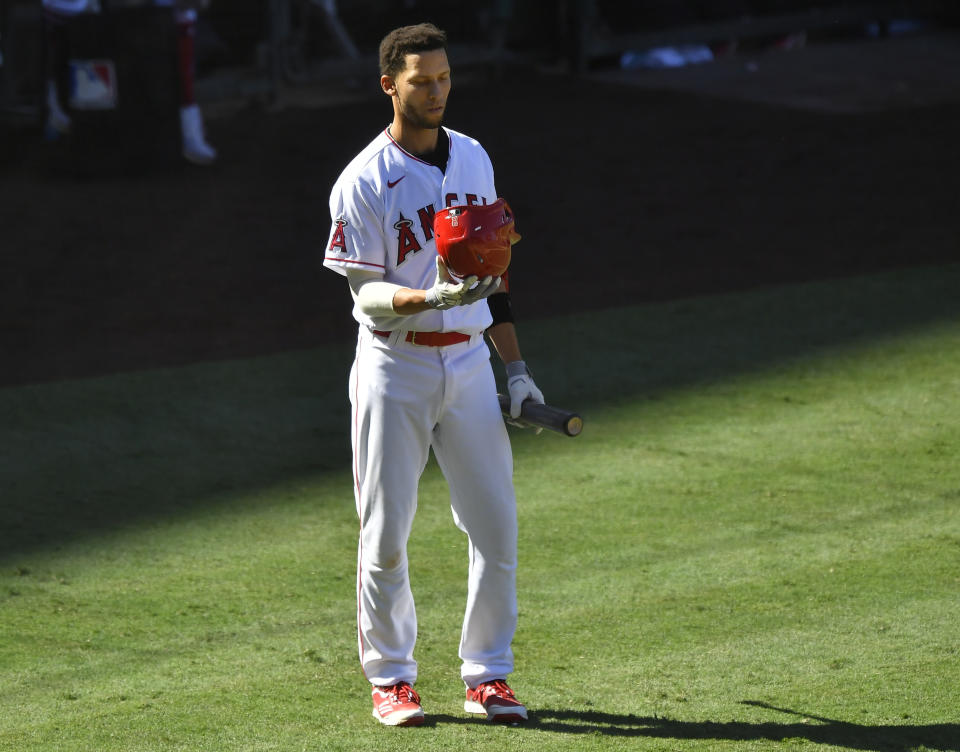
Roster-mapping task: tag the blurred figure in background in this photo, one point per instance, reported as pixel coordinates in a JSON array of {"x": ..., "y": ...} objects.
[{"x": 57, "y": 13}]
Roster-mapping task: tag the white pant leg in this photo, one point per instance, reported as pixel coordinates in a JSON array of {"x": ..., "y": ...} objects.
[
  {"x": 395, "y": 395},
  {"x": 473, "y": 450},
  {"x": 71, "y": 7}
]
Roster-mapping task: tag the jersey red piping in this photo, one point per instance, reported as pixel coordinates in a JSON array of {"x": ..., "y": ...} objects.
[
  {"x": 356, "y": 485},
  {"x": 386, "y": 132},
  {"x": 351, "y": 261}
]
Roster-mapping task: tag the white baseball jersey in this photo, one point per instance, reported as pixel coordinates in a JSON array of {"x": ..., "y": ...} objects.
[
  {"x": 382, "y": 208},
  {"x": 409, "y": 398}
]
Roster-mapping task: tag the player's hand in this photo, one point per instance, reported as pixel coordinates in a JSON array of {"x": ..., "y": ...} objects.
[
  {"x": 483, "y": 289},
  {"x": 446, "y": 293},
  {"x": 521, "y": 387}
]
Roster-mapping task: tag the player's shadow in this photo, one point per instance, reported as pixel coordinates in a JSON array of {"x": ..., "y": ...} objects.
[{"x": 815, "y": 729}]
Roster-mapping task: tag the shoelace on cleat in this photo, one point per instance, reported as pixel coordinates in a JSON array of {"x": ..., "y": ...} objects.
[
  {"x": 403, "y": 693},
  {"x": 498, "y": 688}
]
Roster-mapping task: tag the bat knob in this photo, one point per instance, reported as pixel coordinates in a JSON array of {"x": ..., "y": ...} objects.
[{"x": 573, "y": 426}]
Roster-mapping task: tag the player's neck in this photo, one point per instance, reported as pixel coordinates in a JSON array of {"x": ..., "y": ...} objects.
[{"x": 412, "y": 139}]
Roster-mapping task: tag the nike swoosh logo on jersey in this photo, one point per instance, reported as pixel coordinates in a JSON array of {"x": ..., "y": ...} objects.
[{"x": 391, "y": 183}]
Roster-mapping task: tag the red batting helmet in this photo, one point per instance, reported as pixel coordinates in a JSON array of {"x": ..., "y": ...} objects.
[{"x": 475, "y": 240}]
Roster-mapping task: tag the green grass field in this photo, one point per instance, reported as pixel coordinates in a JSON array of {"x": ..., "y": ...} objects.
[{"x": 755, "y": 544}]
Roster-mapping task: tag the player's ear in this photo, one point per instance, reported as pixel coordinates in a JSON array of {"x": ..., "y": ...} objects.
[{"x": 388, "y": 85}]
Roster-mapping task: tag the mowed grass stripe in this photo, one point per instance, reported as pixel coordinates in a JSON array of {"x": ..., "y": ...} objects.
[{"x": 748, "y": 536}]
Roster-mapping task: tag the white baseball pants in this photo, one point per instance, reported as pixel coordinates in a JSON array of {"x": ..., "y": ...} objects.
[{"x": 406, "y": 399}]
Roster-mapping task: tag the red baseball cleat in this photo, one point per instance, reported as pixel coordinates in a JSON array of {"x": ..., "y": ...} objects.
[
  {"x": 398, "y": 705},
  {"x": 496, "y": 701}
]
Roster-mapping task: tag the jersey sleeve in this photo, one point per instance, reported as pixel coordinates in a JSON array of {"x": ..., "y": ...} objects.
[{"x": 356, "y": 239}]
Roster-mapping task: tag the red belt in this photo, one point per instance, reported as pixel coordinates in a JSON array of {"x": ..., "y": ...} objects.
[{"x": 431, "y": 339}]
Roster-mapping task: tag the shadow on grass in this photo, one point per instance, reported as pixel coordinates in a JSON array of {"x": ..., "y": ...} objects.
[
  {"x": 78, "y": 458},
  {"x": 818, "y": 730}
]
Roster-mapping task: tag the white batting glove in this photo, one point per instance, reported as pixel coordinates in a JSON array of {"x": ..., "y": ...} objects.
[
  {"x": 521, "y": 387},
  {"x": 446, "y": 293},
  {"x": 484, "y": 289}
]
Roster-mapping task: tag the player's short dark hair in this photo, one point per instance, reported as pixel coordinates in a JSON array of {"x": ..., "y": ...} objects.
[{"x": 408, "y": 40}]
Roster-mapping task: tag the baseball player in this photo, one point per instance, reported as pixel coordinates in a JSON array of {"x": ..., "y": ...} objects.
[
  {"x": 422, "y": 379},
  {"x": 195, "y": 148}
]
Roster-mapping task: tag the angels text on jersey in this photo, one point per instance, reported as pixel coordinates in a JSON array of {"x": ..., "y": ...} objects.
[{"x": 412, "y": 233}]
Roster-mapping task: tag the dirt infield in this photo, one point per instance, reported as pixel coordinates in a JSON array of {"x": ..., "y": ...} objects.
[{"x": 624, "y": 194}]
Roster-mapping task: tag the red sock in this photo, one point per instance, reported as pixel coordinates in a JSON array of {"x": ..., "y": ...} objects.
[{"x": 186, "y": 61}]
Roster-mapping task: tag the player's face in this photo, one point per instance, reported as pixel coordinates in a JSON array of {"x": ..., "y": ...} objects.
[{"x": 422, "y": 88}]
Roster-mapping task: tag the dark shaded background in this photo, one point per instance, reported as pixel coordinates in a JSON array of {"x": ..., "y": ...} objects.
[{"x": 627, "y": 188}]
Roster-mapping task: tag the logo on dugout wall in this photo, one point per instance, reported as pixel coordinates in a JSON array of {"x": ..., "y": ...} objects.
[{"x": 93, "y": 85}]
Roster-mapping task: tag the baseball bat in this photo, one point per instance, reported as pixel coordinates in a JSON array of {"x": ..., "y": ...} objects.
[{"x": 537, "y": 415}]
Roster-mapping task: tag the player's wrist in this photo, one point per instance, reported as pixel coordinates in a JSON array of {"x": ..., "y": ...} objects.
[
  {"x": 433, "y": 299},
  {"x": 516, "y": 368},
  {"x": 408, "y": 301}
]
